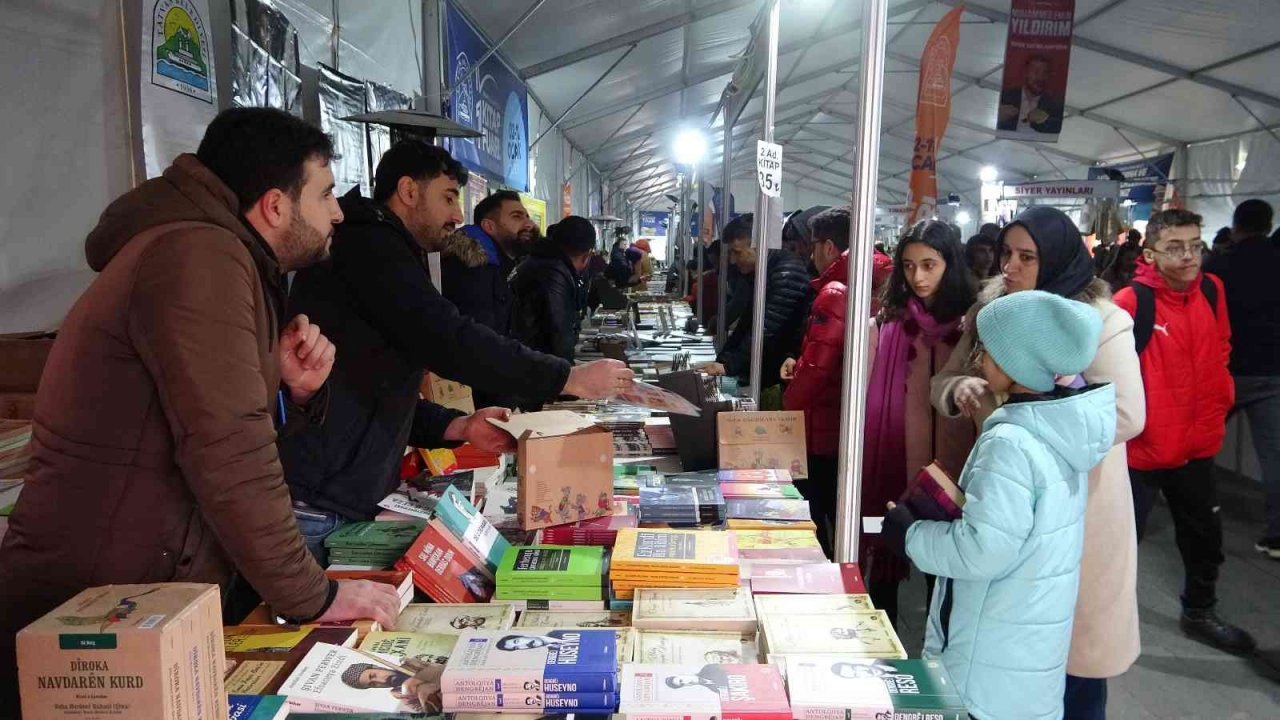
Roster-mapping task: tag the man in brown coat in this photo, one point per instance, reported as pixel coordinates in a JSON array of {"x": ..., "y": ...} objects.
[{"x": 155, "y": 425}]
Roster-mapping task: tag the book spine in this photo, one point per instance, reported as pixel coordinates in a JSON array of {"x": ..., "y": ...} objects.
[
  {"x": 604, "y": 702},
  {"x": 769, "y": 715},
  {"x": 593, "y": 683},
  {"x": 658, "y": 715},
  {"x": 482, "y": 681}
]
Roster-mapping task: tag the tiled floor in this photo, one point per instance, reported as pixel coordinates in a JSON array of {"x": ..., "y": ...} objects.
[{"x": 1177, "y": 677}]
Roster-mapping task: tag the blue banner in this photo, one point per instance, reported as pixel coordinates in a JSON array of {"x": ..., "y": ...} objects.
[
  {"x": 492, "y": 100},
  {"x": 653, "y": 223}
]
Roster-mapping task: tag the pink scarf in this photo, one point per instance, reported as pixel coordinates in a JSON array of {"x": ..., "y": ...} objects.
[{"x": 884, "y": 458}]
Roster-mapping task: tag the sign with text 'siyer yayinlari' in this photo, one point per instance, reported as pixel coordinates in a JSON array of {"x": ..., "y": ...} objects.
[{"x": 491, "y": 100}]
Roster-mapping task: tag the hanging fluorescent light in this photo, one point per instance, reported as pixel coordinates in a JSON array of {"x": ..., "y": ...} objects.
[
  {"x": 988, "y": 174},
  {"x": 963, "y": 218}
]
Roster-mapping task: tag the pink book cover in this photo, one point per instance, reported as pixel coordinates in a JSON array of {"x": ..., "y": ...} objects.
[
  {"x": 754, "y": 692},
  {"x": 815, "y": 579}
]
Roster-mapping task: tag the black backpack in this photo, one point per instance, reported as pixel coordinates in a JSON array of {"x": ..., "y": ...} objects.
[{"x": 1144, "y": 319}]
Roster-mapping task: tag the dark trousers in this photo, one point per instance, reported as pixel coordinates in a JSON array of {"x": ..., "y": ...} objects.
[
  {"x": 1192, "y": 495},
  {"x": 1085, "y": 699},
  {"x": 884, "y": 596},
  {"x": 820, "y": 490}
]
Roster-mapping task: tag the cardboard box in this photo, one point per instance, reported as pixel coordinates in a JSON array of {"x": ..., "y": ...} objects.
[
  {"x": 762, "y": 441},
  {"x": 564, "y": 468},
  {"x": 448, "y": 393},
  {"x": 126, "y": 651}
]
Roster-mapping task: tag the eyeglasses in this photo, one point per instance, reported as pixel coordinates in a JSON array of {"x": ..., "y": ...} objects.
[{"x": 1178, "y": 251}]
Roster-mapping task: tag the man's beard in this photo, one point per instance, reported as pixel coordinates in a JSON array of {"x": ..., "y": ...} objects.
[{"x": 302, "y": 245}]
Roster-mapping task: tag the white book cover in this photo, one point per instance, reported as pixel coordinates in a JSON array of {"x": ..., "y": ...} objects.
[
  {"x": 678, "y": 648},
  {"x": 338, "y": 679},
  {"x": 648, "y": 693},
  {"x": 727, "y": 609},
  {"x": 454, "y": 618},
  {"x": 858, "y": 633}
]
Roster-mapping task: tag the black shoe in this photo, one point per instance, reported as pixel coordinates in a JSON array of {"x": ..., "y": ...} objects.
[
  {"x": 1208, "y": 628},
  {"x": 1269, "y": 546}
]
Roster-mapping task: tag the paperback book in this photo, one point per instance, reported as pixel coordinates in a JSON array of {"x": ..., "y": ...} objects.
[
  {"x": 535, "y": 592},
  {"x": 840, "y": 688},
  {"x": 812, "y": 604},
  {"x": 703, "y": 692},
  {"x": 341, "y": 680},
  {"x": 444, "y": 569},
  {"x": 597, "y": 619},
  {"x": 763, "y": 490},
  {"x": 750, "y": 509},
  {"x": 398, "y": 646},
  {"x": 282, "y": 638},
  {"x": 565, "y": 661},
  {"x": 474, "y": 530},
  {"x": 933, "y": 495},
  {"x": 602, "y": 531},
  {"x": 817, "y": 579},
  {"x": 679, "y": 551},
  {"x": 528, "y": 702},
  {"x": 728, "y": 609},
  {"x": 754, "y": 476},
  {"x": 257, "y": 707},
  {"x": 859, "y": 633},
  {"x": 558, "y": 605},
  {"x": 682, "y": 504},
  {"x": 755, "y": 524},
  {"x": 673, "y": 647},
  {"x": 401, "y": 580},
  {"x": 454, "y": 618},
  {"x": 552, "y": 566}
]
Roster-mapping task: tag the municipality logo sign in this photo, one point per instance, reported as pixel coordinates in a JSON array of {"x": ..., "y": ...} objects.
[
  {"x": 180, "y": 50},
  {"x": 465, "y": 91}
]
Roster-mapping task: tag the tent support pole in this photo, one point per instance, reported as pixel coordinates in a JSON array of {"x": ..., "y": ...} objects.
[
  {"x": 722, "y": 219},
  {"x": 858, "y": 310},
  {"x": 766, "y": 217}
]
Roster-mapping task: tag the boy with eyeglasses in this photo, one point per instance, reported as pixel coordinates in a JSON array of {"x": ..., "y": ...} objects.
[{"x": 1183, "y": 338}]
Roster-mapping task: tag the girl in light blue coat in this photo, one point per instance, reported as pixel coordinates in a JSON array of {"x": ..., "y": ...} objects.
[{"x": 1010, "y": 566}]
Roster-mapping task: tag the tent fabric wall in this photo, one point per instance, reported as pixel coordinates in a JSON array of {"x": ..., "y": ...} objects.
[
  {"x": 67, "y": 151},
  {"x": 1224, "y": 174}
]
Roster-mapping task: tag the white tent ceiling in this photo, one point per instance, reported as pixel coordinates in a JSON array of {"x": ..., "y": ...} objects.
[{"x": 1146, "y": 76}]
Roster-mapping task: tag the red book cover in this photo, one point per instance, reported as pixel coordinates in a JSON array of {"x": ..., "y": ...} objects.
[
  {"x": 933, "y": 495},
  {"x": 815, "y": 579},
  {"x": 444, "y": 569},
  {"x": 754, "y": 692}
]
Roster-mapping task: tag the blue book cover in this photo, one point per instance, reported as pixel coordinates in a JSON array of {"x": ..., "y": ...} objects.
[
  {"x": 470, "y": 527},
  {"x": 533, "y": 660},
  {"x": 256, "y": 707}
]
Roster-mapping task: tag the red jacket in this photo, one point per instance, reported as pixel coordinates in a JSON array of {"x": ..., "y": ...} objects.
[{"x": 1184, "y": 373}]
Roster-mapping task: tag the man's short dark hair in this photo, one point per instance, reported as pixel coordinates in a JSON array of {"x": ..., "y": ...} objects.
[
  {"x": 832, "y": 224},
  {"x": 1253, "y": 217},
  {"x": 253, "y": 150},
  {"x": 1168, "y": 219},
  {"x": 738, "y": 228},
  {"x": 418, "y": 160},
  {"x": 488, "y": 208},
  {"x": 1038, "y": 59},
  {"x": 991, "y": 230},
  {"x": 575, "y": 235}
]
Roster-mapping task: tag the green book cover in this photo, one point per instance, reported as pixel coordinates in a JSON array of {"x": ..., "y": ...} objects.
[
  {"x": 552, "y": 565},
  {"x": 471, "y": 528},
  {"x": 398, "y": 535},
  {"x": 821, "y": 685},
  {"x": 549, "y": 593}
]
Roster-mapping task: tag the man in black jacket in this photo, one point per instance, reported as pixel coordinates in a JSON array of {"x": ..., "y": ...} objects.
[
  {"x": 545, "y": 285},
  {"x": 476, "y": 263},
  {"x": 378, "y": 305},
  {"x": 1248, "y": 273},
  {"x": 788, "y": 296}
]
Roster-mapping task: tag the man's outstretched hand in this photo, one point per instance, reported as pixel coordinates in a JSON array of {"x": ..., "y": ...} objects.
[
  {"x": 482, "y": 434},
  {"x": 599, "y": 380}
]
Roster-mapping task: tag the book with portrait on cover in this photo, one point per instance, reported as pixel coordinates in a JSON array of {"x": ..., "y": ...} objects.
[
  {"x": 858, "y": 633},
  {"x": 683, "y": 647},
  {"x": 533, "y": 660},
  {"x": 728, "y": 609},
  {"x": 453, "y": 618},
  {"x": 703, "y": 692},
  {"x": 825, "y": 687}
]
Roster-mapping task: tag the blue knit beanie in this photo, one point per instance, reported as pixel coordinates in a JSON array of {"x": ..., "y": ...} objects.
[{"x": 1035, "y": 336}]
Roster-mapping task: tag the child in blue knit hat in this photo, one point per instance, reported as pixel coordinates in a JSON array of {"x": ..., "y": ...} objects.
[{"x": 1010, "y": 566}]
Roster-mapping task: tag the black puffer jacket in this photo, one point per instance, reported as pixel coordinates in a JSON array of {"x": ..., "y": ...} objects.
[
  {"x": 546, "y": 289},
  {"x": 788, "y": 296},
  {"x": 374, "y": 299}
]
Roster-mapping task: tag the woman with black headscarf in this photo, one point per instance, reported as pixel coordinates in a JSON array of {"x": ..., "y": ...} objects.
[{"x": 1043, "y": 250}]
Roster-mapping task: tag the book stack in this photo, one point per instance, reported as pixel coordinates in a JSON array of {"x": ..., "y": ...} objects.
[
  {"x": 836, "y": 688},
  {"x": 552, "y": 577},
  {"x": 602, "y": 531},
  {"x": 721, "y": 609},
  {"x": 471, "y": 528},
  {"x": 777, "y": 547},
  {"x": 573, "y": 619},
  {"x": 680, "y": 647},
  {"x": 533, "y": 671},
  {"x": 853, "y": 633},
  {"x": 454, "y": 618},
  {"x": 445, "y": 568},
  {"x": 401, "y": 646},
  {"x": 681, "y": 692},
  {"x": 375, "y": 544},
  {"x": 768, "y": 509},
  {"x": 933, "y": 495},
  {"x": 669, "y": 558},
  {"x": 682, "y": 505}
]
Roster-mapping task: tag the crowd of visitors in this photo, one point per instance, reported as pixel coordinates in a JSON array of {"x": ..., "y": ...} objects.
[{"x": 251, "y": 416}]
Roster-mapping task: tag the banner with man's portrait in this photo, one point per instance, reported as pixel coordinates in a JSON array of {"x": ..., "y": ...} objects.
[{"x": 1037, "y": 58}]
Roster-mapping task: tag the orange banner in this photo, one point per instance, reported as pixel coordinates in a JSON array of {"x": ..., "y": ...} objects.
[{"x": 933, "y": 112}]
